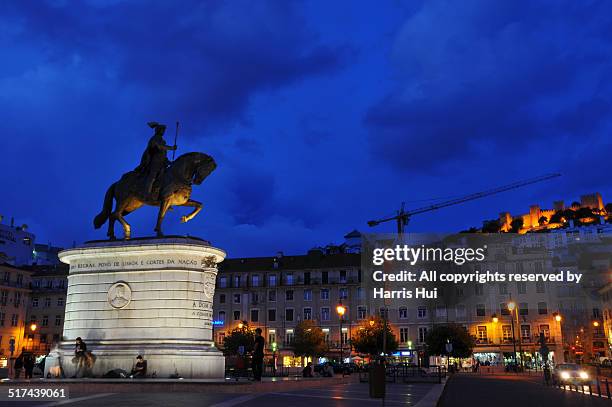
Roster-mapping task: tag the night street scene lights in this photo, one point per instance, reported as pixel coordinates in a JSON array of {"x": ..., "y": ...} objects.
[
  {"x": 341, "y": 310},
  {"x": 511, "y": 307}
]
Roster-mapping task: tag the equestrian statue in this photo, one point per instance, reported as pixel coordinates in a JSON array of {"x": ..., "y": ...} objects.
[{"x": 156, "y": 182}]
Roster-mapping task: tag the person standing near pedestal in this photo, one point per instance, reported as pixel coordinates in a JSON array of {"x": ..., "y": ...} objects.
[
  {"x": 19, "y": 363},
  {"x": 258, "y": 355},
  {"x": 80, "y": 349}
]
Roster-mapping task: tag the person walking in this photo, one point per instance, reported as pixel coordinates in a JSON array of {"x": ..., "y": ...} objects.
[
  {"x": 28, "y": 364},
  {"x": 19, "y": 363},
  {"x": 258, "y": 355}
]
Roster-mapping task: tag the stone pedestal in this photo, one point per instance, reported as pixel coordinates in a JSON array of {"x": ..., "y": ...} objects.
[{"x": 151, "y": 297}]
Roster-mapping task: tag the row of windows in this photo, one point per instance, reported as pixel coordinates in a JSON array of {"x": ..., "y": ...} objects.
[
  {"x": 44, "y": 283},
  {"x": 6, "y": 279},
  {"x": 503, "y": 288},
  {"x": 403, "y": 312},
  {"x": 289, "y": 279},
  {"x": 15, "y": 300},
  {"x": 45, "y": 320},
  {"x": 290, "y": 295},
  {"x": 14, "y": 319},
  {"x": 307, "y": 314},
  {"x": 43, "y": 338},
  {"x": 46, "y": 303},
  {"x": 482, "y": 334}
]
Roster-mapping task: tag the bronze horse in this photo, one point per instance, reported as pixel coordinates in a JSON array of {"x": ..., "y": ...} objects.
[{"x": 173, "y": 189}]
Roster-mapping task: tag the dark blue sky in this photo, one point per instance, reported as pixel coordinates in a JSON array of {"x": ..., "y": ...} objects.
[{"x": 321, "y": 115}]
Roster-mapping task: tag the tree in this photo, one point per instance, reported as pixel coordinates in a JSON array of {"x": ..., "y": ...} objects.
[
  {"x": 239, "y": 336},
  {"x": 369, "y": 337},
  {"x": 543, "y": 220},
  {"x": 463, "y": 343},
  {"x": 309, "y": 340},
  {"x": 491, "y": 226},
  {"x": 556, "y": 217},
  {"x": 516, "y": 225}
]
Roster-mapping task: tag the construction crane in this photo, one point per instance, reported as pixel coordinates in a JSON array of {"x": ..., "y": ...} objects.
[{"x": 403, "y": 216}]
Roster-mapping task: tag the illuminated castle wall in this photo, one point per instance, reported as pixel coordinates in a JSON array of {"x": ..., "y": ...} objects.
[{"x": 531, "y": 219}]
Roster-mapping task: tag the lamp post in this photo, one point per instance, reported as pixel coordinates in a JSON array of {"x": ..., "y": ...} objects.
[
  {"x": 341, "y": 309},
  {"x": 33, "y": 327},
  {"x": 511, "y": 308},
  {"x": 558, "y": 318}
]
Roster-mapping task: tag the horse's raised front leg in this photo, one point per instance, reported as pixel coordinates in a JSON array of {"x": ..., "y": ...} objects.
[
  {"x": 197, "y": 208},
  {"x": 163, "y": 208}
]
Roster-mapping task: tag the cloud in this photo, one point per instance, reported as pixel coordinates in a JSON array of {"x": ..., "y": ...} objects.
[
  {"x": 490, "y": 80},
  {"x": 199, "y": 60}
]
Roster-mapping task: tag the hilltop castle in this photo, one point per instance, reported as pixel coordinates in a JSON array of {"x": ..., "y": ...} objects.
[{"x": 538, "y": 218}]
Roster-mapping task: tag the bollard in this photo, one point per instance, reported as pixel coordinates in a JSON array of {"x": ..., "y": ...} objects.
[
  {"x": 377, "y": 381},
  {"x": 598, "y": 387},
  {"x": 590, "y": 390},
  {"x": 607, "y": 388}
]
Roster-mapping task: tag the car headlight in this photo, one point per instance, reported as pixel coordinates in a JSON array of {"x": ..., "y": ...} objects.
[
  {"x": 565, "y": 375},
  {"x": 583, "y": 374}
]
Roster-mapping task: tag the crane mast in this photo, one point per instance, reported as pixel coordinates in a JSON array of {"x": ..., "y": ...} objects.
[{"x": 403, "y": 216}]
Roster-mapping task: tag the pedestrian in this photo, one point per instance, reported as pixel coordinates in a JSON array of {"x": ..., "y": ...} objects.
[
  {"x": 328, "y": 370},
  {"x": 258, "y": 355},
  {"x": 19, "y": 363},
  {"x": 307, "y": 372},
  {"x": 140, "y": 368},
  {"x": 80, "y": 350},
  {"x": 28, "y": 364}
]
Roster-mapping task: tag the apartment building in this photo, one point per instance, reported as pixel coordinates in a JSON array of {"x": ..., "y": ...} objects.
[
  {"x": 276, "y": 293},
  {"x": 47, "y": 306},
  {"x": 14, "y": 298}
]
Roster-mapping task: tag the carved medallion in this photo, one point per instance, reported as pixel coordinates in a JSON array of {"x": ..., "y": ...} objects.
[
  {"x": 209, "y": 286},
  {"x": 119, "y": 295}
]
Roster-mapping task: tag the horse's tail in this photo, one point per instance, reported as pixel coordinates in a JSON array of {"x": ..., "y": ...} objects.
[{"x": 101, "y": 218}]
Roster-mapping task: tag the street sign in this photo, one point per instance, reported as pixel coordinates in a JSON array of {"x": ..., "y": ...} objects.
[{"x": 449, "y": 347}]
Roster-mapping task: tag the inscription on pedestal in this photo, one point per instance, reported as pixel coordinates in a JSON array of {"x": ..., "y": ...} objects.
[{"x": 149, "y": 263}]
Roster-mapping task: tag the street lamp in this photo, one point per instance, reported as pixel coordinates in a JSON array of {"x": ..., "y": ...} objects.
[
  {"x": 495, "y": 319},
  {"x": 558, "y": 318},
  {"x": 511, "y": 308},
  {"x": 30, "y": 341},
  {"x": 595, "y": 324},
  {"x": 341, "y": 309}
]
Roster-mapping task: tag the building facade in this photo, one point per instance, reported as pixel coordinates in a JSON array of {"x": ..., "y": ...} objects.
[
  {"x": 14, "y": 299},
  {"x": 46, "y": 307},
  {"x": 276, "y": 293},
  {"x": 16, "y": 244}
]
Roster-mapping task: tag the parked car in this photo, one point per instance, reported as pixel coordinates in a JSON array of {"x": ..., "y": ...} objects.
[
  {"x": 605, "y": 361},
  {"x": 570, "y": 373},
  {"x": 335, "y": 365},
  {"x": 351, "y": 367}
]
